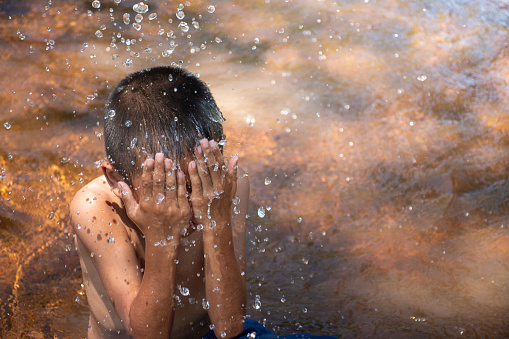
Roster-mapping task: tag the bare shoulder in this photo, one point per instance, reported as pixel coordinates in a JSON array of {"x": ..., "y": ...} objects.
[
  {"x": 91, "y": 195},
  {"x": 97, "y": 214}
]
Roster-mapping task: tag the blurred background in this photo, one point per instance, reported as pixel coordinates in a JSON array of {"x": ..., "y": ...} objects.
[{"x": 374, "y": 134}]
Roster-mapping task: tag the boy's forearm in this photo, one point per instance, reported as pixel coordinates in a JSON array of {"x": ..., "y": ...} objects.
[
  {"x": 152, "y": 311},
  {"x": 224, "y": 284}
]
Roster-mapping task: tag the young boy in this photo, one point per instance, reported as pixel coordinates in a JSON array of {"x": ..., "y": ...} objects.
[{"x": 161, "y": 234}]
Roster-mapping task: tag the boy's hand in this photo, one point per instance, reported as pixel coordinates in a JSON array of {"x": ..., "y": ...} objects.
[
  {"x": 163, "y": 209},
  {"x": 213, "y": 184}
]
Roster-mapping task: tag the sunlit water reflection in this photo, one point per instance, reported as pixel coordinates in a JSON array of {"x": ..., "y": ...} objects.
[{"x": 374, "y": 134}]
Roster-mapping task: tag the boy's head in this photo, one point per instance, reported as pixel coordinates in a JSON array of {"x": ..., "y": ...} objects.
[{"x": 162, "y": 109}]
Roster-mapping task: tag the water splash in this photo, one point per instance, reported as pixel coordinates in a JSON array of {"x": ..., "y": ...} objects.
[
  {"x": 257, "y": 303},
  {"x": 159, "y": 198},
  {"x": 140, "y": 7},
  {"x": 261, "y": 212}
]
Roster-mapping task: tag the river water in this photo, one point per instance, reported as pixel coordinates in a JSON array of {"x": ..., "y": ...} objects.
[{"x": 374, "y": 134}]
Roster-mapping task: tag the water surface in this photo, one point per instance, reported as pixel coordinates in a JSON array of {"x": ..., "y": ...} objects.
[{"x": 374, "y": 134}]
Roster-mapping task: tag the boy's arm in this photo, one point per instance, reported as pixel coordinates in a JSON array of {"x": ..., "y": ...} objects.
[
  {"x": 214, "y": 186},
  {"x": 146, "y": 306}
]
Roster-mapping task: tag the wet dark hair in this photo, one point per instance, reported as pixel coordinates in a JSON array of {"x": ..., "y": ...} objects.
[{"x": 162, "y": 109}]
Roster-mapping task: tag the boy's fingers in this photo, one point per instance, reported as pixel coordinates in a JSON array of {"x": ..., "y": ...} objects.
[
  {"x": 171, "y": 188},
  {"x": 196, "y": 187},
  {"x": 203, "y": 171},
  {"x": 233, "y": 165},
  {"x": 159, "y": 175},
  {"x": 214, "y": 166},
  {"x": 218, "y": 155},
  {"x": 147, "y": 181},
  {"x": 182, "y": 191}
]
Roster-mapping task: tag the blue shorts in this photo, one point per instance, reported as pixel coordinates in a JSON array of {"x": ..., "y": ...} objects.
[{"x": 264, "y": 333}]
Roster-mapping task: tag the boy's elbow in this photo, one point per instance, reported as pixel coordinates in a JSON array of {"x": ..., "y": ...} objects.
[{"x": 236, "y": 327}]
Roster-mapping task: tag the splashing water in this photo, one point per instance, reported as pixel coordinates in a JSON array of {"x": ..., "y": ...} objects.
[
  {"x": 159, "y": 198},
  {"x": 140, "y": 8},
  {"x": 261, "y": 212}
]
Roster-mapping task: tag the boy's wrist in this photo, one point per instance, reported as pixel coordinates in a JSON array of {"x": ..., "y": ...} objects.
[{"x": 162, "y": 239}]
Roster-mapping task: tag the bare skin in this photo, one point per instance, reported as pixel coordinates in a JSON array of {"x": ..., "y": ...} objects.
[{"x": 151, "y": 259}]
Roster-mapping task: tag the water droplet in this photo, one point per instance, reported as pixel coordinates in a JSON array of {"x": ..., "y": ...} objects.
[
  {"x": 183, "y": 26},
  {"x": 205, "y": 304},
  {"x": 134, "y": 142},
  {"x": 96, "y": 4},
  {"x": 51, "y": 215},
  {"x": 196, "y": 24},
  {"x": 117, "y": 1},
  {"x": 257, "y": 303},
  {"x": 183, "y": 290},
  {"x": 128, "y": 63},
  {"x": 152, "y": 16},
  {"x": 251, "y": 335},
  {"x": 211, "y": 9},
  {"x": 7, "y": 125},
  {"x": 138, "y": 18},
  {"x": 261, "y": 212},
  {"x": 218, "y": 39},
  {"x": 236, "y": 210},
  {"x": 167, "y": 52},
  {"x": 65, "y": 160},
  {"x": 212, "y": 224},
  {"x": 159, "y": 198},
  {"x": 110, "y": 240},
  {"x": 98, "y": 34},
  {"x": 267, "y": 181},
  {"x": 128, "y": 123},
  {"x": 110, "y": 114},
  {"x": 304, "y": 310},
  {"x": 126, "y": 17},
  {"x": 422, "y": 77},
  {"x": 223, "y": 334},
  {"x": 180, "y": 15},
  {"x": 305, "y": 260},
  {"x": 136, "y": 26},
  {"x": 283, "y": 299},
  {"x": 140, "y": 7}
]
